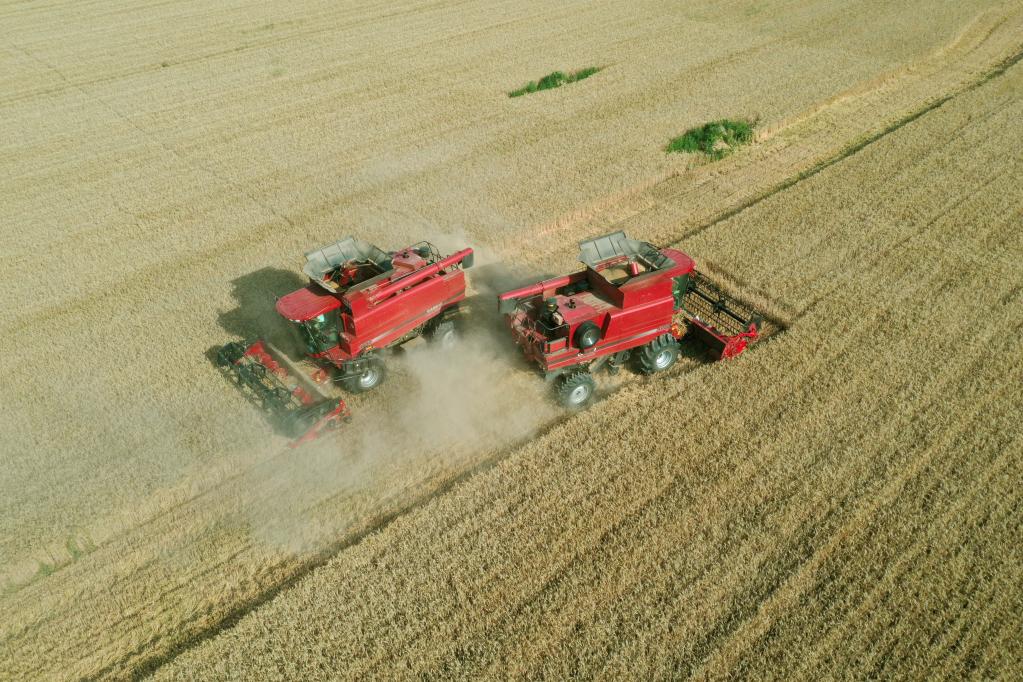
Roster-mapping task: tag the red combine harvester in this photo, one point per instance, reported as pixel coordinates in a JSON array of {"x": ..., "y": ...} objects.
[
  {"x": 631, "y": 302},
  {"x": 360, "y": 302}
]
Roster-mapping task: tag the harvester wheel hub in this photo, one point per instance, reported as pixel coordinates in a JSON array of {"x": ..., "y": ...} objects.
[
  {"x": 448, "y": 339},
  {"x": 369, "y": 378},
  {"x": 664, "y": 359},
  {"x": 579, "y": 394},
  {"x": 576, "y": 390}
]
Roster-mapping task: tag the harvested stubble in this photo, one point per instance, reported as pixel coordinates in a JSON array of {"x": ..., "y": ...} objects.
[
  {"x": 845, "y": 499},
  {"x": 174, "y": 197}
]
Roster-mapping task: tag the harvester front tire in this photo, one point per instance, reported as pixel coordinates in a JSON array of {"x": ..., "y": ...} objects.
[
  {"x": 575, "y": 390},
  {"x": 444, "y": 335},
  {"x": 657, "y": 356},
  {"x": 372, "y": 375}
]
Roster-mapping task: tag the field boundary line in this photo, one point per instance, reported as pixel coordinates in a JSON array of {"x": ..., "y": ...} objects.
[
  {"x": 324, "y": 556},
  {"x": 859, "y": 145}
]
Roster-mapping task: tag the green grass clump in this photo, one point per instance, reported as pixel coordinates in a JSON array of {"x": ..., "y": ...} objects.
[
  {"x": 716, "y": 139},
  {"x": 554, "y": 80}
]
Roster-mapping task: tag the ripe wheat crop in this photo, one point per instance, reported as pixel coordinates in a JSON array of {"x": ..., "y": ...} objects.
[
  {"x": 166, "y": 165},
  {"x": 845, "y": 498}
]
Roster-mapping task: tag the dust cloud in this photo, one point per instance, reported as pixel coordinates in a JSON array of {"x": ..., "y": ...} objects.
[{"x": 440, "y": 413}]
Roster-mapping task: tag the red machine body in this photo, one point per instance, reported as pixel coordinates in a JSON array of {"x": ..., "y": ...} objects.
[
  {"x": 361, "y": 300},
  {"x": 630, "y": 297}
]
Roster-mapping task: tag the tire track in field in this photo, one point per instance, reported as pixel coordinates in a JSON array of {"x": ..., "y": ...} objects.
[
  {"x": 857, "y": 146},
  {"x": 322, "y": 557},
  {"x": 585, "y": 217}
]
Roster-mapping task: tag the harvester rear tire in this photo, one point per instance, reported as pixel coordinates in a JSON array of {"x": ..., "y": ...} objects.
[
  {"x": 576, "y": 390},
  {"x": 373, "y": 374},
  {"x": 444, "y": 335},
  {"x": 657, "y": 356}
]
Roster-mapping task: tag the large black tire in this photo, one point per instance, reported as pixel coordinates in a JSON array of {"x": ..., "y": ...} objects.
[
  {"x": 658, "y": 355},
  {"x": 575, "y": 391},
  {"x": 373, "y": 374},
  {"x": 444, "y": 334}
]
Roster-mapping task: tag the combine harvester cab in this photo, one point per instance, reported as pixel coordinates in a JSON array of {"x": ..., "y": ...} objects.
[
  {"x": 632, "y": 302},
  {"x": 360, "y": 302}
]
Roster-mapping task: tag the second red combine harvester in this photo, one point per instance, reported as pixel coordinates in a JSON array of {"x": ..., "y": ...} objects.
[
  {"x": 360, "y": 301},
  {"x": 632, "y": 302}
]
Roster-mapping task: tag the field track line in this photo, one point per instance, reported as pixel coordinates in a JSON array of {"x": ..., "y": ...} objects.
[
  {"x": 857, "y": 146},
  {"x": 589, "y": 213},
  {"x": 325, "y": 555}
]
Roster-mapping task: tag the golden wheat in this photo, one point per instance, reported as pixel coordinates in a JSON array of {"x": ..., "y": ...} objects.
[
  {"x": 167, "y": 164},
  {"x": 843, "y": 500}
]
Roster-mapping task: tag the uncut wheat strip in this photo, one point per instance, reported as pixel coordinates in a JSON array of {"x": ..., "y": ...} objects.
[
  {"x": 865, "y": 530},
  {"x": 1000, "y": 650},
  {"x": 674, "y": 662},
  {"x": 896, "y": 637},
  {"x": 841, "y": 633},
  {"x": 983, "y": 594},
  {"x": 836, "y": 590},
  {"x": 840, "y": 402},
  {"x": 795, "y": 650},
  {"x": 831, "y": 489},
  {"x": 719, "y": 556}
]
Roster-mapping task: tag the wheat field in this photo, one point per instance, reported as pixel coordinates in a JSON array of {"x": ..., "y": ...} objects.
[{"x": 844, "y": 501}]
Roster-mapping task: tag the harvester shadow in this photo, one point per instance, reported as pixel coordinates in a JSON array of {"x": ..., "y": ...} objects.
[{"x": 255, "y": 316}]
